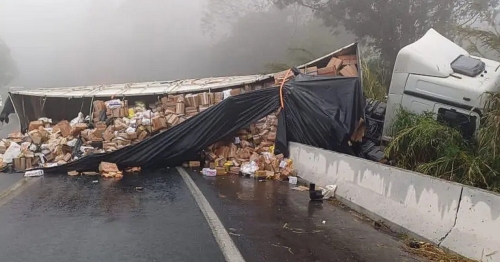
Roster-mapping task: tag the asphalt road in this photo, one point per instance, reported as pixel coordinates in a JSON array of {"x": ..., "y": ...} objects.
[{"x": 61, "y": 218}]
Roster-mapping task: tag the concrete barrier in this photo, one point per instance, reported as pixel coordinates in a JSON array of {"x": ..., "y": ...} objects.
[
  {"x": 465, "y": 220},
  {"x": 477, "y": 231}
]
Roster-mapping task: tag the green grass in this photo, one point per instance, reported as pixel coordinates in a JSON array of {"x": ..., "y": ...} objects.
[
  {"x": 422, "y": 144},
  {"x": 374, "y": 80}
]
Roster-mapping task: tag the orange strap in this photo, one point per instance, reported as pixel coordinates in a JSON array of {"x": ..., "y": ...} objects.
[{"x": 281, "y": 88}]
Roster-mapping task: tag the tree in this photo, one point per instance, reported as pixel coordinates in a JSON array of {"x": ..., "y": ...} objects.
[
  {"x": 483, "y": 38},
  {"x": 8, "y": 68},
  {"x": 389, "y": 25},
  {"x": 271, "y": 40}
]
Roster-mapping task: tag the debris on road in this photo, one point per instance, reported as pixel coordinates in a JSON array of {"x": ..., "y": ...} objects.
[
  {"x": 250, "y": 152},
  {"x": 73, "y": 173},
  {"x": 301, "y": 188},
  {"x": 33, "y": 173},
  {"x": 329, "y": 191},
  {"x": 133, "y": 170},
  {"x": 432, "y": 252},
  {"x": 110, "y": 170}
]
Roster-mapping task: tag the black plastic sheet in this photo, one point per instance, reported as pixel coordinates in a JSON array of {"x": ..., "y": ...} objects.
[{"x": 318, "y": 111}]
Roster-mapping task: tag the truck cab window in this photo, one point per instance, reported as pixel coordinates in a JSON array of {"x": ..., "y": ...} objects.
[{"x": 466, "y": 124}]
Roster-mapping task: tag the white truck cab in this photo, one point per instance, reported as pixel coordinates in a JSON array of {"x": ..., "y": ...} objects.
[{"x": 436, "y": 75}]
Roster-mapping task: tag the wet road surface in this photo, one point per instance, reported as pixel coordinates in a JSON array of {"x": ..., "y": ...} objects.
[
  {"x": 8, "y": 180},
  {"x": 269, "y": 220},
  {"x": 61, "y": 218},
  {"x": 73, "y": 219}
]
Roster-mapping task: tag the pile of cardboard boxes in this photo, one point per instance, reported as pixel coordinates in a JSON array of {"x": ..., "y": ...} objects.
[
  {"x": 249, "y": 152},
  {"x": 342, "y": 65},
  {"x": 116, "y": 124}
]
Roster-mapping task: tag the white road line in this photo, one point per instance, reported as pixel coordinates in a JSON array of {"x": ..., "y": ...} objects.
[
  {"x": 14, "y": 190},
  {"x": 226, "y": 244}
]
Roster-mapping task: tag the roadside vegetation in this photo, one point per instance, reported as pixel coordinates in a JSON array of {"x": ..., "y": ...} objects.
[{"x": 421, "y": 143}]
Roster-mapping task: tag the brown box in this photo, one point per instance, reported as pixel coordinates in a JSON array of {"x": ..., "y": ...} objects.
[
  {"x": 116, "y": 112},
  {"x": 19, "y": 163},
  {"x": 234, "y": 170},
  {"x": 108, "y": 167},
  {"x": 204, "y": 99},
  {"x": 35, "y": 125},
  {"x": 335, "y": 63},
  {"x": 310, "y": 70},
  {"x": 64, "y": 127},
  {"x": 212, "y": 98},
  {"x": 180, "y": 108},
  {"x": 108, "y": 135},
  {"x": 67, "y": 157},
  {"x": 260, "y": 174},
  {"x": 99, "y": 105},
  {"x": 36, "y": 138},
  {"x": 221, "y": 171},
  {"x": 142, "y": 135},
  {"x": 98, "y": 132},
  {"x": 194, "y": 164},
  {"x": 218, "y": 97},
  {"x": 159, "y": 123},
  {"x": 349, "y": 59},
  {"x": 256, "y": 139},
  {"x": 29, "y": 162},
  {"x": 235, "y": 91},
  {"x": 349, "y": 71},
  {"x": 173, "y": 120},
  {"x": 327, "y": 71},
  {"x": 131, "y": 135}
]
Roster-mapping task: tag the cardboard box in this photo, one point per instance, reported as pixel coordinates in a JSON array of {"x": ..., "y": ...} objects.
[
  {"x": 36, "y": 138},
  {"x": 108, "y": 167},
  {"x": 180, "y": 108},
  {"x": 142, "y": 135},
  {"x": 327, "y": 71},
  {"x": 204, "y": 99},
  {"x": 349, "y": 59},
  {"x": 99, "y": 105},
  {"x": 235, "y": 91},
  {"x": 34, "y": 125},
  {"x": 261, "y": 174},
  {"x": 194, "y": 164},
  {"x": 64, "y": 127},
  {"x": 310, "y": 70},
  {"x": 335, "y": 63},
  {"x": 349, "y": 71},
  {"x": 256, "y": 139},
  {"x": 67, "y": 157},
  {"x": 159, "y": 122},
  {"x": 221, "y": 171},
  {"x": 131, "y": 135},
  {"x": 218, "y": 97},
  {"x": 234, "y": 170}
]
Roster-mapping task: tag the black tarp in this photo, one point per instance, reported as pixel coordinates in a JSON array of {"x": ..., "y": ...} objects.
[
  {"x": 7, "y": 110},
  {"x": 318, "y": 111}
]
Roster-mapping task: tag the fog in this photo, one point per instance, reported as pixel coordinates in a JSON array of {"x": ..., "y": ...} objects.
[{"x": 80, "y": 42}]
